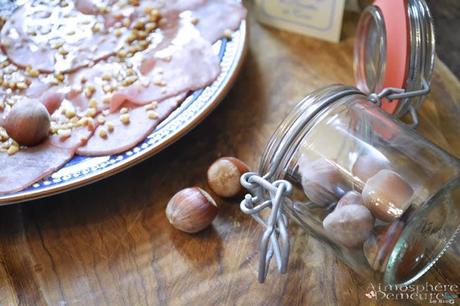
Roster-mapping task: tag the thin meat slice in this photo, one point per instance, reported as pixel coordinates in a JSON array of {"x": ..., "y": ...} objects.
[
  {"x": 170, "y": 71},
  {"x": 57, "y": 38},
  {"x": 217, "y": 16},
  {"x": 171, "y": 6},
  {"x": 125, "y": 136},
  {"x": 91, "y": 7},
  {"x": 77, "y": 138},
  {"x": 178, "y": 5},
  {"x": 32, "y": 164},
  {"x": 52, "y": 100},
  {"x": 94, "y": 77}
]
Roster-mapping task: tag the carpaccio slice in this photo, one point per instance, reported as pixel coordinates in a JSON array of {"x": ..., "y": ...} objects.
[
  {"x": 52, "y": 37},
  {"x": 32, "y": 164},
  {"x": 177, "y": 68},
  {"x": 94, "y": 76},
  {"x": 170, "y": 6},
  {"x": 180, "y": 60},
  {"x": 125, "y": 136},
  {"x": 92, "y": 7},
  {"x": 177, "y": 5},
  {"x": 217, "y": 16}
]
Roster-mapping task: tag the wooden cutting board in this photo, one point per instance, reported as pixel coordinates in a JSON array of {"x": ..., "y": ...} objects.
[{"x": 110, "y": 243}]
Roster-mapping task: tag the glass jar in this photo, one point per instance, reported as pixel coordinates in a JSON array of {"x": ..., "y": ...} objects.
[
  {"x": 383, "y": 197},
  {"x": 344, "y": 167}
]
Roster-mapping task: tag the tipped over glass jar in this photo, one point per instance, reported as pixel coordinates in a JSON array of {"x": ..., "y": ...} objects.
[{"x": 344, "y": 167}]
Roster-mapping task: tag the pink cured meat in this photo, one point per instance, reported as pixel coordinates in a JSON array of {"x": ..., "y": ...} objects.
[
  {"x": 94, "y": 76},
  {"x": 90, "y": 7},
  {"x": 179, "y": 5},
  {"x": 171, "y": 6},
  {"x": 190, "y": 66},
  {"x": 39, "y": 91},
  {"x": 36, "y": 34},
  {"x": 217, "y": 16},
  {"x": 127, "y": 136},
  {"x": 32, "y": 164}
]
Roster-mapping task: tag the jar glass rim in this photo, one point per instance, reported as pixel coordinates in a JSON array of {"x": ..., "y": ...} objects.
[
  {"x": 288, "y": 130},
  {"x": 412, "y": 223},
  {"x": 370, "y": 34}
]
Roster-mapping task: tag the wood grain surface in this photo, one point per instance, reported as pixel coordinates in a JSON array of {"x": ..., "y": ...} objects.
[{"x": 111, "y": 244}]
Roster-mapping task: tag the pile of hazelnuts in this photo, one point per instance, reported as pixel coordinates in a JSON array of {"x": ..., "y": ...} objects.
[
  {"x": 366, "y": 208},
  {"x": 193, "y": 209}
]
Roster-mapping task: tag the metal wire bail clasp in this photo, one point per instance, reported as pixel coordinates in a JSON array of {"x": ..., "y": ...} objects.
[
  {"x": 397, "y": 93},
  {"x": 275, "y": 240}
]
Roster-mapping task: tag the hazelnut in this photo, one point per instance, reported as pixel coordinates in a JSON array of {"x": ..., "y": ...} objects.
[
  {"x": 366, "y": 166},
  {"x": 378, "y": 247},
  {"x": 350, "y": 198},
  {"x": 28, "y": 122},
  {"x": 349, "y": 225},
  {"x": 191, "y": 210},
  {"x": 387, "y": 195},
  {"x": 224, "y": 176},
  {"x": 322, "y": 182}
]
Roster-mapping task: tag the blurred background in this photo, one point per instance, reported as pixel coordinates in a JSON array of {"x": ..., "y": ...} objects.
[{"x": 446, "y": 14}]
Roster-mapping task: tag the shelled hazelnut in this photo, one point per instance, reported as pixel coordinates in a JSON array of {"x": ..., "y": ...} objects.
[
  {"x": 366, "y": 166},
  {"x": 387, "y": 195},
  {"x": 224, "y": 176},
  {"x": 349, "y": 225},
  {"x": 350, "y": 198},
  {"x": 28, "y": 122},
  {"x": 191, "y": 210},
  {"x": 322, "y": 183}
]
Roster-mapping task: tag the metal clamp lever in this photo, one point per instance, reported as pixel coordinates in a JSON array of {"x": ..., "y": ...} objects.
[
  {"x": 275, "y": 240},
  {"x": 392, "y": 94}
]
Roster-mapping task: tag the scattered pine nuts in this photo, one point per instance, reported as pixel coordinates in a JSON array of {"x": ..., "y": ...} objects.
[
  {"x": 64, "y": 133},
  {"x": 13, "y": 149},
  {"x": 102, "y": 133},
  {"x": 124, "y": 118},
  {"x": 109, "y": 126},
  {"x": 152, "y": 114},
  {"x": 91, "y": 112}
]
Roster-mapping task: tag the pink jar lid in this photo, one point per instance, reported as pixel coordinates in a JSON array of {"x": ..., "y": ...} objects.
[
  {"x": 397, "y": 49},
  {"x": 394, "y": 48}
]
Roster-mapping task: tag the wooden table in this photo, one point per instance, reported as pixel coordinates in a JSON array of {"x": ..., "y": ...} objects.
[{"x": 110, "y": 243}]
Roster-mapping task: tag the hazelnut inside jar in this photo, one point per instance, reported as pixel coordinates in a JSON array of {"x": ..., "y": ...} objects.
[{"x": 342, "y": 155}]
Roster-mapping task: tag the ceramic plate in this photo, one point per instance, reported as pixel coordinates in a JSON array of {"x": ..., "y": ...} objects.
[{"x": 81, "y": 171}]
